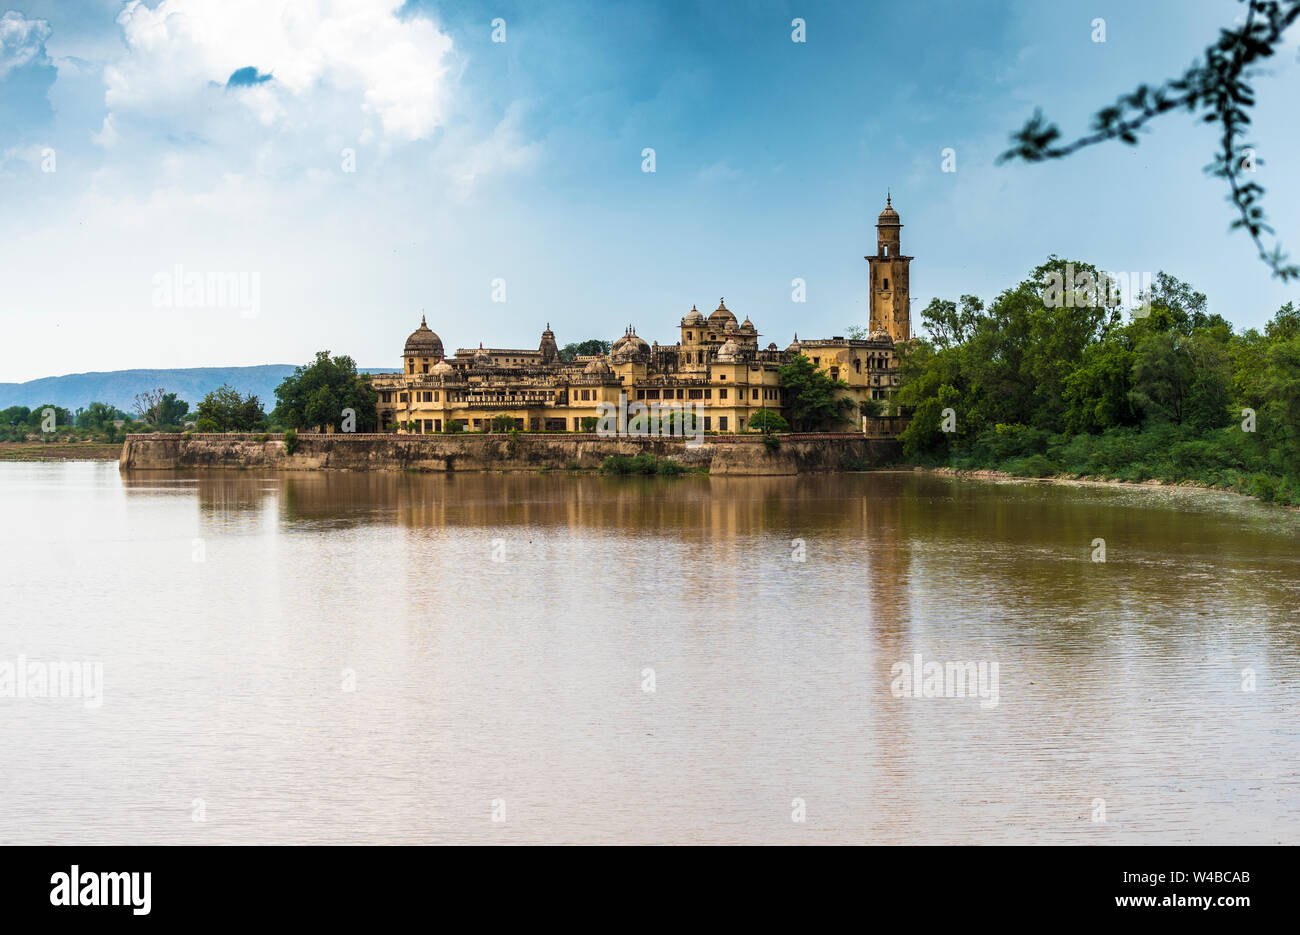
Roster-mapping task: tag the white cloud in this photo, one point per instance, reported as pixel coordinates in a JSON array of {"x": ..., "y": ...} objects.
[
  {"x": 353, "y": 60},
  {"x": 22, "y": 41}
]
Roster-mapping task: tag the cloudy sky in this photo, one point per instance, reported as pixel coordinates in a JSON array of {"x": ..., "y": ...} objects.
[{"x": 359, "y": 162}]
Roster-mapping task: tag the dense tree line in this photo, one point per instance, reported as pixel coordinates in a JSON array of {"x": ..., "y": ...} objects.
[{"x": 1036, "y": 386}]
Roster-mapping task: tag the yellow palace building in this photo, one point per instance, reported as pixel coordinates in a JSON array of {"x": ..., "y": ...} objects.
[{"x": 717, "y": 366}]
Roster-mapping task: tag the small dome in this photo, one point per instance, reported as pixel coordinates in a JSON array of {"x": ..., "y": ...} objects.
[
  {"x": 423, "y": 342},
  {"x": 795, "y": 346},
  {"x": 881, "y": 336},
  {"x": 729, "y": 325},
  {"x": 596, "y": 367},
  {"x": 481, "y": 357},
  {"x": 693, "y": 317},
  {"x": 889, "y": 216},
  {"x": 728, "y": 351},
  {"x": 441, "y": 367},
  {"x": 747, "y": 326}
]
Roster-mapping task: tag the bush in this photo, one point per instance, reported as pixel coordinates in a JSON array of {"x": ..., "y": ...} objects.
[
  {"x": 642, "y": 464},
  {"x": 261, "y": 438},
  {"x": 1032, "y": 466},
  {"x": 772, "y": 443},
  {"x": 290, "y": 441},
  {"x": 207, "y": 425}
]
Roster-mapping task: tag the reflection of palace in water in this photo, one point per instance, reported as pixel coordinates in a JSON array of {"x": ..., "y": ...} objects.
[{"x": 717, "y": 367}]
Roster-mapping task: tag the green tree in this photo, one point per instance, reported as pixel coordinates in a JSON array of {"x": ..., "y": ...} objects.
[
  {"x": 812, "y": 399},
  {"x": 317, "y": 395},
  {"x": 765, "y": 420},
  {"x": 587, "y": 348},
  {"x": 224, "y": 410}
]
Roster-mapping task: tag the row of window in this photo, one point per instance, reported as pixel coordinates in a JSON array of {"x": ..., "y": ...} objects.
[{"x": 434, "y": 426}]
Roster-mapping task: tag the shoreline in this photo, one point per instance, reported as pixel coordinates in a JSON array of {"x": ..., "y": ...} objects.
[
  {"x": 31, "y": 452},
  {"x": 1068, "y": 480}
]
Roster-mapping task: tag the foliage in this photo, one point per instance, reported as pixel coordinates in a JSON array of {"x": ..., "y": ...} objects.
[
  {"x": 224, "y": 410},
  {"x": 643, "y": 463},
  {"x": 772, "y": 443},
  {"x": 812, "y": 398},
  {"x": 765, "y": 420},
  {"x": 290, "y": 437},
  {"x": 504, "y": 424},
  {"x": 1218, "y": 88},
  {"x": 1036, "y": 391},
  {"x": 589, "y": 348},
  {"x": 318, "y": 393}
]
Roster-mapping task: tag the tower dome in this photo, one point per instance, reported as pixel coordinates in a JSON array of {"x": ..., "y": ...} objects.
[
  {"x": 481, "y": 357},
  {"x": 721, "y": 315},
  {"x": 693, "y": 317},
  {"x": 423, "y": 342},
  {"x": 888, "y": 217}
]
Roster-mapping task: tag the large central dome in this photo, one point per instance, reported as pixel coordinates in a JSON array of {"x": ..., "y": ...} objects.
[{"x": 423, "y": 343}]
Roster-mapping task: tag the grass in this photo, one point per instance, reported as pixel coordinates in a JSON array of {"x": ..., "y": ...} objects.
[{"x": 60, "y": 451}]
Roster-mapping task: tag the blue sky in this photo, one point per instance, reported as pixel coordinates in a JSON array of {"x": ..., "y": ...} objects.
[{"x": 521, "y": 161}]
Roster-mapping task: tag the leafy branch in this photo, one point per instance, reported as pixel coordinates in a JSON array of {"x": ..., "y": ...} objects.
[{"x": 1220, "y": 88}]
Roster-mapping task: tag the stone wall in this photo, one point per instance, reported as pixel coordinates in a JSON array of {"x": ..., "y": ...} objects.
[{"x": 736, "y": 455}]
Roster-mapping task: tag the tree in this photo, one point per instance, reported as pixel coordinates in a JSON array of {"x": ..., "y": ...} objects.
[
  {"x": 317, "y": 395},
  {"x": 98, "y": 416},
  {"x": 1217, "y": 87},
  {"x": 812, "y": 398},
  {"x": 765, "y": 421},
  {"x": 588, "y": 348},
  {"x": 224, "y": 410},
  {"x": 171, "y": 410}
]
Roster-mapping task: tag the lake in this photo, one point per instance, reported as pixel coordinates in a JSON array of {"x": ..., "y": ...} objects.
[{"x": 350, "y": 658}]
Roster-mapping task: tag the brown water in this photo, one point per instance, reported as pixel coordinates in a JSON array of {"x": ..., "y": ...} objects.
[{"x": 495, "y": 632}]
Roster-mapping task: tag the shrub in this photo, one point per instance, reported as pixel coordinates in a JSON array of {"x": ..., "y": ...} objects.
[
  {"x": 290, "y": 441},
  {"x": 772, "y": 443},
  {"x": 642, "y": 464}
]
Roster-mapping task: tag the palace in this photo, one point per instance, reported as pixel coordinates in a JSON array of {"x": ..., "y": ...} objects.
[{"x": 717, "y": 366}]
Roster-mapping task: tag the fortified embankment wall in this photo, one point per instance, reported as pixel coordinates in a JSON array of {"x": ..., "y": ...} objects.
[{"x": 482, "y": 452}]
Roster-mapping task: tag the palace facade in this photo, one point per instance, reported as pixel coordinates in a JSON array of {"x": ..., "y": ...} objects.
[{"x": 718, "y": 365}]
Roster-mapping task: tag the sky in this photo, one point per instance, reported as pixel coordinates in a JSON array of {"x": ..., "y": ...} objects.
[{"x": 342, "y": 168}]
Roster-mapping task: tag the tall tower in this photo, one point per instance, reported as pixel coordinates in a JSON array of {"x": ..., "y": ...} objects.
[{"x": 891, "y": 308}]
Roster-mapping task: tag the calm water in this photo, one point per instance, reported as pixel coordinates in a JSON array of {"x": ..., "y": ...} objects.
[{"x": 392, "y": 658}]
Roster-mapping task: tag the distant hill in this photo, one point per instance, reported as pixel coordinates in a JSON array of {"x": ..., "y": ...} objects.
[{"x": 119, "y": 387}]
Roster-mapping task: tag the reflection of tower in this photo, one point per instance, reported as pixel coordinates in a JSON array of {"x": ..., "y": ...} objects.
[{"x": 888, "y": 288}]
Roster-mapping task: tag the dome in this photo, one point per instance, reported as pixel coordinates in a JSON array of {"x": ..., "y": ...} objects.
[
  {"x": 728, "y": 351},
  {"x": 693, "y": 317},
  {"x": 423, "y": 342},
  {"x": 794, "y": 347},
  {"x": 441, "y": 368},
  {"x": 597, "y": 367},
  {"x": 881, "y": 336},
  {"x": 747, "y": 326},
  {"x": 729, "y": 325},
  {"x": 888, "y": 217},
  {"x": 481, "y": 357},
  {"x": 629, "y": 345},
  {"x": 721, "y": 314}
]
